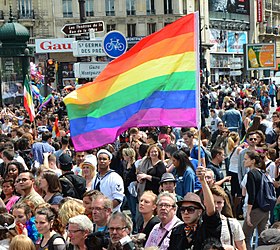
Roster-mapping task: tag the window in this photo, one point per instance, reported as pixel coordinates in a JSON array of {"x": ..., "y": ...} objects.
[
  {"x": 151, "y": 28},
  {"x": 110, "y": 7},
  {"x": 111, "y": 27},
  {"x": 67, "y": 8},
  {"x": 131, "y": 30},
  {"x": 25, "y": 9},
  {"x": 89, "y": 8},
  {"x": 130, "y": 7},
  {"x": 167, "y": 6},
  {"x": 150, "y": 6}
]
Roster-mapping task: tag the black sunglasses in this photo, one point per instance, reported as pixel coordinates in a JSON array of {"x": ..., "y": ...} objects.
[{"x": 190, "y": 209}]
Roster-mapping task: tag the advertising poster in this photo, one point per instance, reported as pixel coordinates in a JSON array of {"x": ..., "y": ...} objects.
[
  {"x": 235, "y": 41},
  {"x": 230, "y": 6},
  {"x": 218, "y": 38},
  {"x": 260, "y": 56}
]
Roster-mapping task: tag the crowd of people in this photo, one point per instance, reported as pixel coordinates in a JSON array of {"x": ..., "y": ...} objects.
[{"x": 154, "y": 187}]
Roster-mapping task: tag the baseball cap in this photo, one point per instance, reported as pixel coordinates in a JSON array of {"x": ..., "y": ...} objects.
[{"x": 65, "y": 162}]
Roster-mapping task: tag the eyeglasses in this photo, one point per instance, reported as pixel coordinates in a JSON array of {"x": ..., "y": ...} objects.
[
  {"x": 98, "y": 209},
  {"x": 252, "y": 139},
  {"x": 22, "y": 180},
  {"x": 74, "y": 231},
  {"x": 162, "y": 205},
  {"x": 190, "y": 209},
  {"x": 118, "y": 229}
]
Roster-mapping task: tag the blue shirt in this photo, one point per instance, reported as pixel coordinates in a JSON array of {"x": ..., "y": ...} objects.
[
  {"x": 232, "y": 118},
  {"x": 38, "y": 148},
  {"x": 185, "y": 183}
]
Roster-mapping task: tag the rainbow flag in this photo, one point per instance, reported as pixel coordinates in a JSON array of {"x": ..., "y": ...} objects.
[
  {"x": 28, "y": 101},
  {"x": 155, "y": 83},
  {"x": 46, "y": 101}
]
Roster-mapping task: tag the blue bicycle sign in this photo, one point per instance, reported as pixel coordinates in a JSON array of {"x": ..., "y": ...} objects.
[{"x": 114, "y": 44}]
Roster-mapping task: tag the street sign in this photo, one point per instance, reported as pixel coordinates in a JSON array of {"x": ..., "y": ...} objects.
[
  {"x": 82, "y": 28},
  {"x": 235, "y": 66},
  {"x": 235, "y": 73},
  {"x": 114, "y": 44},
  {"x": 88, "y": 48},
  {"x": 88, "y": 70},
  {"x": 235, "y": 60}
]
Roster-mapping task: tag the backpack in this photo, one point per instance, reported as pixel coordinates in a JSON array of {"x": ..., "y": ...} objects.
[
  {"x": 52, "y": 239},
  {"x": 266, "y": 197},
  {"x": 73, "y": 185},
  {"x": 208, "y": 157}
]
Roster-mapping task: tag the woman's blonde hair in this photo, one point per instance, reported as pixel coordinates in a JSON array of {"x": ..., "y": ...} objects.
[
  {"x": 130, "y": 152},
  {"x": 249, "y": 111},
  {"x": 70, "y": 209},
  {"x": 22, "y": 242}
]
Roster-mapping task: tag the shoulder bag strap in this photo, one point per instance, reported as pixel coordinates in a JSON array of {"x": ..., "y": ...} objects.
[
  {"x": 167, "y": 232},
  {"x": 230, "y": 233}
]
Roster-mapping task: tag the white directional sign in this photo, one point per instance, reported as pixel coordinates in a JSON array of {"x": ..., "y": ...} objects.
[
  {"x": 235, "y": 66},
  {"x": 88, "y": 70},
  {"x": 88, "y": 48},
  {"x": 235, "y": 73}
]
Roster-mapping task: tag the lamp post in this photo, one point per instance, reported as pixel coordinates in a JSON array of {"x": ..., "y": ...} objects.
[{"x": 82, "y": 11}]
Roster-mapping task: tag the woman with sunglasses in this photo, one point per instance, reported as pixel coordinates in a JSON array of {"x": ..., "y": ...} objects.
[{"x": 231, "y": 233}]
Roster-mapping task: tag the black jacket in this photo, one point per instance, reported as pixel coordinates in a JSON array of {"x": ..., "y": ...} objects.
[{"x": 209, "y": 226}]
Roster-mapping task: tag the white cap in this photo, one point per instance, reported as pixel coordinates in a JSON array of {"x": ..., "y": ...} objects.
[{"x": 105, "y": 151}]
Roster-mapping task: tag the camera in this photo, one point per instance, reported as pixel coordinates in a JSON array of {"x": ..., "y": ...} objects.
[{"x": 97, "y": 240}]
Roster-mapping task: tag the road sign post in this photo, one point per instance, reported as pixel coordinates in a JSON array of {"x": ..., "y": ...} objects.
[{"x": 82, "y": 28}]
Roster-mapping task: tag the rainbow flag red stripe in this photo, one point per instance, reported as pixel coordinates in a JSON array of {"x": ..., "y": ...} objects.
[
  {"x": 28, "y": 100},
  {"x": 55, "y": 129},
  {"x": 155, "y": 83}
]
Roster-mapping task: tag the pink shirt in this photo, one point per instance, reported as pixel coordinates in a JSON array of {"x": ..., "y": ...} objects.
[
  {"x": 158, "y": 233},
  {"x": 11, "y": 202}
]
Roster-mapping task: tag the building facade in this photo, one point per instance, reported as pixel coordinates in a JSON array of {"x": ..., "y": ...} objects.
[{"x": 225, "y": 25}]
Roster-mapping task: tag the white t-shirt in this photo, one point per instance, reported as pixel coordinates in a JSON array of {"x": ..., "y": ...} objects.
[
  {"x": 111, "y": 185},
  {"x": 271, "y": 169},
  {"x": 236, "y": 230}
]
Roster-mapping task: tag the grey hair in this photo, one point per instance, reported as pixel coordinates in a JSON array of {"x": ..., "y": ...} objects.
[
  {"x": 82, "y": 221},
  {"x": 167, "y": 194},
  {"x": 124, "y": 218}
]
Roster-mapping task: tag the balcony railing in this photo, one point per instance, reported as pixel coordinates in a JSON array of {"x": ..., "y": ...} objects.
[
  {"x": 89, "y": 13},
  {"x": 67, "y": 14},
  {"x": 168, "y": 11},
  {"x": 131, "y": 12},
  {"x": 30, "y": 14},
  {"x": 151, "y": 12},
  {"x": 110, "y": 13}
]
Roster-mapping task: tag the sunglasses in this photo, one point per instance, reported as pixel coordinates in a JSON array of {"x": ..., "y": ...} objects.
[
  {"x": 252, "y": 139},
  {"x": 190, "y": 209}
]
